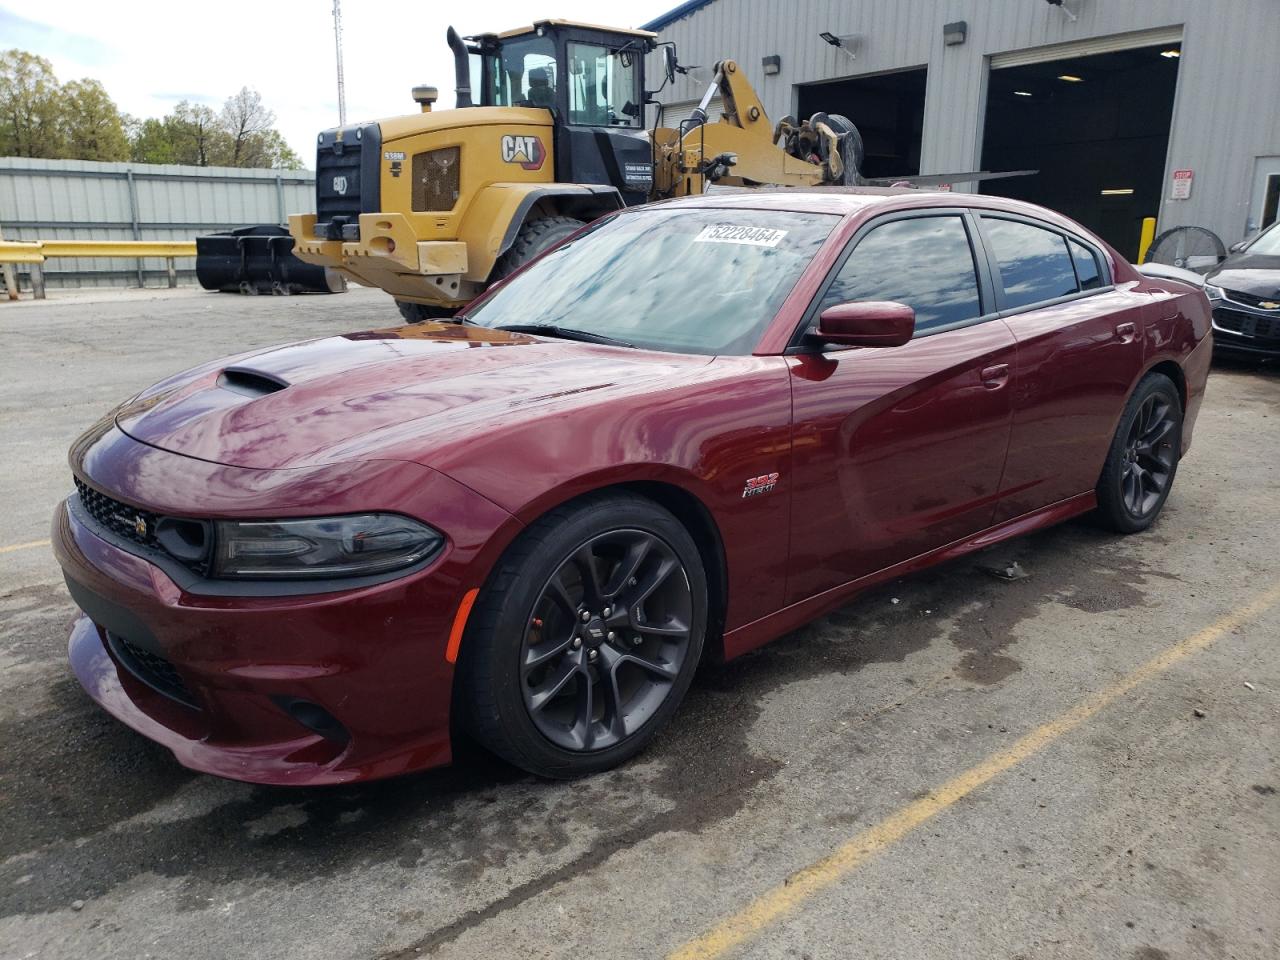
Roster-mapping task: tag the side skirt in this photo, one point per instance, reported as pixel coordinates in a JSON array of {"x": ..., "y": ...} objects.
[{"x": 759, "y": 632}]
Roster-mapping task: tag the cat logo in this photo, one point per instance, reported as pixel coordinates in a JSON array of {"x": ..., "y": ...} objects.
[
  {"x": 526, "y": 151},
  {"x": 340, "y": 186}
]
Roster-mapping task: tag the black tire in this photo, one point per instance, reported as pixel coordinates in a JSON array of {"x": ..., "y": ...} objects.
[
  {"x": 1143, "y": 458},
  {"x": 421, "y": 312},
  {"x": 534, "y": 238},
  {"x": 499, "y": 689}
]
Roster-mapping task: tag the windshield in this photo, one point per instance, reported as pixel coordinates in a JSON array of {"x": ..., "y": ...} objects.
[
  {"x": 685, "y": 280},
  {"x": 1268, "y": 242}
]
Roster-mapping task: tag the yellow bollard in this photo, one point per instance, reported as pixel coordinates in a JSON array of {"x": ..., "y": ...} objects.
[{"x": 1144, "y": 239}]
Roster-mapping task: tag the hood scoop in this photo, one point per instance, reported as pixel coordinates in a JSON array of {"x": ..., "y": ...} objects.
[{"x": 250, "y": 383}]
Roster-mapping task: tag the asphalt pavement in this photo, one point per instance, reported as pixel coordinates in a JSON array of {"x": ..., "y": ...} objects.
[{"x": 1082, "y": 763}]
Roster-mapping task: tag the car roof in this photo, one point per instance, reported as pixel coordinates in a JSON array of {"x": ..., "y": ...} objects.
[{"x": 844, "y": 201}]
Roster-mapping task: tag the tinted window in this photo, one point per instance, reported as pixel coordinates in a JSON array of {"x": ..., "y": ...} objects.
[
  {"x": 1034, "y": 263},
  {"x": 684, "y": 279},
  {"x": 925, "y": 262},
  {"x": 1087, "y": 271}
]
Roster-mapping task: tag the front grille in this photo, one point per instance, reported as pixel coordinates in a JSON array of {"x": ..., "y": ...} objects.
[
  {"x": 119, "y": 518},
  {"x": 1248, "y": 324},
  {"x": 435, "y": 179},
  {"x": 155, "y": 671},
  {"x": 338, "y": 183},
  {"x": 1249, "y": 300}
]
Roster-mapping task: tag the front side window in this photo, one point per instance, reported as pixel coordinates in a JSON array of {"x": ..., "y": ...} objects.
[
  {"x": 602, "y": 86},
  {"x": 685, "y": 280},
  {"x": 1035, "y": 264},
  {"x": 924, "y": 262},
  {"x": 525, "y": 74}
]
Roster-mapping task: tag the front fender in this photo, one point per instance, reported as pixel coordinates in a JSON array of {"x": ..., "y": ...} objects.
[{"x": 495, "y": 216}]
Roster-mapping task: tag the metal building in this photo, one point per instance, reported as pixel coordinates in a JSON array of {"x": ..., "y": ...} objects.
[{"x": 1164, "y": 108}]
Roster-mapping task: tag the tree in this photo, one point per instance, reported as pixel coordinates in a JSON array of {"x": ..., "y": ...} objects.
[
  {"x": 251, "y": 128},
  {"x": 30, "y": 109},
  {"x": 91, "y": 123},
  {"x": 197, "y": 137},
  {"x": 41, "y": 118},
  {"x": 150, "y": 141}
]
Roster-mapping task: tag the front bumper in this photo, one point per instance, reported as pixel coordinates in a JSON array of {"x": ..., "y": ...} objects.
[
  {"x": 222, "y": 681},
  {"x": 389, "y": 255},
  {"x": 1245, "y": 331}
]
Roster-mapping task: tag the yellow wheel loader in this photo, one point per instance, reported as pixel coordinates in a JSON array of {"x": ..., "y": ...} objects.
[{"x": 547, "y": 135}]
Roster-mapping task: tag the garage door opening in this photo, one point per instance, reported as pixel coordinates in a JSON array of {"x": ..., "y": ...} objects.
[
  {"x": 888, "y": 110},
  {"x": 1097, "y": 129}
]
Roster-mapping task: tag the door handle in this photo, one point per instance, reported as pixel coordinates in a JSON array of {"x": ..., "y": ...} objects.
[
  {"x": 995, "y": 377},
  {"x": 1126, "y": 332}
]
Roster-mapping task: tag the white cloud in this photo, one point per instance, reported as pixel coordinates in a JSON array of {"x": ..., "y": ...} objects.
[{"x": 151, "y": 54}]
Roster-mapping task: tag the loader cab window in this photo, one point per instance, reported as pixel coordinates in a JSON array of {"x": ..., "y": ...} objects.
[
  {"x": 525, "y": 73},
  {"x": 602, "y": 86}
]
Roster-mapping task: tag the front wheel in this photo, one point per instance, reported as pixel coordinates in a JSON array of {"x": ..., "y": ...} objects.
[
  {"x": 1143, "y": 458},
  {"x": 586, "y": 637},
  {"x": 534, "y": 239}
]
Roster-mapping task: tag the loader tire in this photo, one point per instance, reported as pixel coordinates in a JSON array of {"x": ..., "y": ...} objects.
[
  {"x": 420, "y": 312},
  {"x": 534, "y": 238}
]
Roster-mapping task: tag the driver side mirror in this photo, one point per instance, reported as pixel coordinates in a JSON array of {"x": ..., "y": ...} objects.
[
  {"x": 867, "y": 323},
  {"x": 1238, "y": 246},
  {"x": 669, "y": 62}
]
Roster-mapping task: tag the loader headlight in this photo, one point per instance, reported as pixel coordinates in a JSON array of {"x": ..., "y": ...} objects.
[
  {"x": 435, "y": 179},
  {"x": 314, "y": 548}
]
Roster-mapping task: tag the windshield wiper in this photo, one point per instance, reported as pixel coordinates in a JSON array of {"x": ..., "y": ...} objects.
[{"x": 566, "y": 333}]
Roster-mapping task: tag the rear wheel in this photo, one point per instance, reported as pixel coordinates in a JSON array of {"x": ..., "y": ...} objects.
[
  {"x": 535, "y": 238},
  {"x": 585, "y": 638},
  {"x": 1143, "y": 458}
]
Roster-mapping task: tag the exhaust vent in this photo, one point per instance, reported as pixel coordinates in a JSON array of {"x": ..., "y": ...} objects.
[{"x": 250, "y": 383}]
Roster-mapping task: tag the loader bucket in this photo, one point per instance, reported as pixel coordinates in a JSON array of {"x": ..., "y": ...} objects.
[{"x": 259, "y": 259}]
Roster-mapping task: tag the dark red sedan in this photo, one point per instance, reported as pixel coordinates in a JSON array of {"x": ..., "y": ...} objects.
[{"x": 689, "y": 429}]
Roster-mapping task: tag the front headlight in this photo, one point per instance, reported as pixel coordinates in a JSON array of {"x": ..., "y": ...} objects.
[
  {"x": 1214, "y": 293},
  {"x": 354, "y": 546}
]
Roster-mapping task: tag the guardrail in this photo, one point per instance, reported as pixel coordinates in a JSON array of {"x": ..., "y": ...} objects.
[{"x": 35, "y": 252}]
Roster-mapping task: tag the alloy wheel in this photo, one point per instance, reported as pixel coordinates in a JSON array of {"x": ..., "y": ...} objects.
[
  {"x": 1148, "y": 456},
  {"x": 606, "y": 640}
]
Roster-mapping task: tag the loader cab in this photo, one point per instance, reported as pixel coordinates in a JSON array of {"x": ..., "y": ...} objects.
[{"x": 591, "y": 79}]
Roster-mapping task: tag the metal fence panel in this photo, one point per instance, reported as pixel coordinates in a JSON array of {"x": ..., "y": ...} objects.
[{"x": 88, "y": 200}]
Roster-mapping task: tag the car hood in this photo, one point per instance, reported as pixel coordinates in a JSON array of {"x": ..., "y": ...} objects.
[
  {"x": 380, "y": 394},
  {"x": 1253, "y": 274}
]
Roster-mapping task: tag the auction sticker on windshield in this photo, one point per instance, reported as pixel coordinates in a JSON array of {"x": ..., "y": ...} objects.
[{"x": 729, "y": 233}]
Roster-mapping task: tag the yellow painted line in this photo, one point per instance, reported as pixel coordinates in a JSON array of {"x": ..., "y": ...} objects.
[
  {"x": 24, "y": 546},
  {"x": 782, "y": 900}
]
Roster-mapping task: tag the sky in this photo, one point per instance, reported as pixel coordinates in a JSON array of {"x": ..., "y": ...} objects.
[{"x": 151, "y": 54}]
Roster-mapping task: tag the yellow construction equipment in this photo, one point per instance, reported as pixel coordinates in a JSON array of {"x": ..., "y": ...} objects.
[{"x": 548, "y": 134}]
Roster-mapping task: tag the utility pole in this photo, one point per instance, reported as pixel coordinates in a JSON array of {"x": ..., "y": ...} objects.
[{"x": 337, "y": 43}]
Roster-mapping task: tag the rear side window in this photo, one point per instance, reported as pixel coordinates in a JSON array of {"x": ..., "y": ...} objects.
[
  {"x": 1086, "y": 262},
  {"x": 924, "y": 262},
  {"x": 1035, "y": 264}
]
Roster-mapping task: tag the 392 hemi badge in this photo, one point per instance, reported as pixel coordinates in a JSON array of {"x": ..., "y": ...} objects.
[
  {"x": 758, "y": 485},
  {"x": 526, "y": 151}
]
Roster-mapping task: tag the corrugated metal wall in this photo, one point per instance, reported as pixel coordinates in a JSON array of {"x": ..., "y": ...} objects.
[
  {"x": 86, "y": 200},
  {"x": 1226, "y": 112}
]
